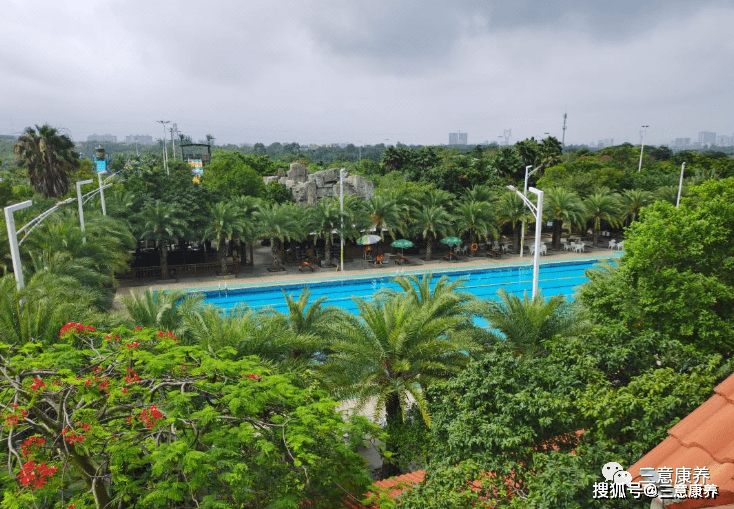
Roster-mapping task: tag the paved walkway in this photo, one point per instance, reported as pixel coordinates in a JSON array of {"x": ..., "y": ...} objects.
[{"x": 259, "y": 276}]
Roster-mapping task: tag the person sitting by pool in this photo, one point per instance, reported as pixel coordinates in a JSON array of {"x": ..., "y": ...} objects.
[{"x": 379, "y": 259}]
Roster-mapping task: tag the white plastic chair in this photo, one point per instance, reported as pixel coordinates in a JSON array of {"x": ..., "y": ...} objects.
[
  {"x": 612, "y": 243},
  {"x": 619, "y": 246},
  {"x": 543, "y": 250},
  {"x": 579, "y": 247}
]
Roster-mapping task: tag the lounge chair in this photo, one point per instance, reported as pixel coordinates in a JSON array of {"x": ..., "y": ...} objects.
[{"x": 306, "y": 265}]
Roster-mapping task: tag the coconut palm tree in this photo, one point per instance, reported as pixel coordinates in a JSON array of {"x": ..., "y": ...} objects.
[
  {"x": 478, "y": 193},
  {"x": 49, "y": 158},
  {"x": 602, "y": 205},
  {"x": 323, "y": 219},
  {"x": 523, "y": 323},
  {"x": 384, "y": 215},
  {"x": 391, "y": 353},
  {"x": 161, "y": 310},
  {"x": 562, "y": 205},
  {"x": 632, "y": 202},
  {"x": 279, "y": 222},
  {"x": 247, "y": 205},
  {"x": 226, "y": 222},
  {"x": 478, "y": 219},
  {"x": 430, "y": 222},
  {"x": 164, "y": 223}
]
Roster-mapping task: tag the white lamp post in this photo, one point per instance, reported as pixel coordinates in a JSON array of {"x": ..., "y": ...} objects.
[
  {"x": 525, "y": 193},
  {"x": 642, "y": 144},
  {"x": 680, "y": 185},
  {"x": 342, "y": 174},
  {"x": 80, "y": 203},
  {"x": 13, "y": 239},
  {"x": 538, "y": 213},
  {"x": 165, "y": 148}
]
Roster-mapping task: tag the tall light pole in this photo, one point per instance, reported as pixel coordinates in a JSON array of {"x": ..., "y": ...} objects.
[
  {"x": 525, "y": 193},
  {"x": 13, "y": 239},
  {"x": 79, "y": 201},
  {"x": 643, "y": 131},
  {"x": 165, "y": 149},
  {"x": 537, "y": 211},
  {"x": 680, "y": 185},
  {"x": 342, "y": 174}
]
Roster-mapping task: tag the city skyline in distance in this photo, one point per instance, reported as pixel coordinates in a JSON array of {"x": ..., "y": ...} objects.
[{"x": 325, "y": 72}]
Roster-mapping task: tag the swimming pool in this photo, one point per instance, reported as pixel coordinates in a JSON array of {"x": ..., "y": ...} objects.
[{"x": 560, "y": 278}]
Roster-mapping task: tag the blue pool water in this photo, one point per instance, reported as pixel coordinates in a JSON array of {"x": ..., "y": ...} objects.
[{"x": 554, "y": 279}]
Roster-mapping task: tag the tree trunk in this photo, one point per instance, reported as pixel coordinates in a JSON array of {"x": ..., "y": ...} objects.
[
  {"x": 327, "y": 250},
  {"x": 515, "y": 233},
  {"x": 223, "y": 256},
  {"x": 163, "y": 251},
  {"x": 557, "y": 224},
  {"x": 472, "y": 237},
  {"x": 252, "y": 253},
  {"x": 428, "y": 247},
  {"x": 393, "y": 416}
]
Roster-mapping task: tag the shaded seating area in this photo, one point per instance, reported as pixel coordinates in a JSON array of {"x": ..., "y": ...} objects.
[
  {"x": 306, "y": 265},
  {"x": 400, "y": 259}
]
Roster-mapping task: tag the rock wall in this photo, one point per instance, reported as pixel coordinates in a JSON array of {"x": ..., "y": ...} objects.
[{"x": 308, "y": 188}]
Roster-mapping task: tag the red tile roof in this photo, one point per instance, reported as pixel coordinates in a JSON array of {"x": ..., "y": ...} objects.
[
  {"x": 705, "y": 438},
  {"x": 400, "y": 483}
]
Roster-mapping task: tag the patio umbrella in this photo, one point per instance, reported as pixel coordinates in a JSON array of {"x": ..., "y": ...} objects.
[
  {"x": 402, "y": 244},
  {"x": 366, "y": 240},
  {"x": 451, "y": 241}
]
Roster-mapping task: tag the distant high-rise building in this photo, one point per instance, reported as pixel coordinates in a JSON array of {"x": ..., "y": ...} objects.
[
  {"x": 458, "y": 138},
  {"x": 723, "y": 141},
  {"x": 141, "y": 139},
  {"x": 707, "y": 138},
  {"x": 107, "y": 138},
  {"x": 682, "y": 142}
]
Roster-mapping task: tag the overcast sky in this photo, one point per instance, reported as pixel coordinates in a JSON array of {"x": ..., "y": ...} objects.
[{"x": 370, "y": 71}]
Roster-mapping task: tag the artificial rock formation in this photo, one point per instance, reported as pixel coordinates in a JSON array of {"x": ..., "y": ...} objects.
[{"x": 308, "y": 188}]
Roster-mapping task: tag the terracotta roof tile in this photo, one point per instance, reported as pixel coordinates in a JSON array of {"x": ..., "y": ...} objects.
[{"x": 705, "y": 438}]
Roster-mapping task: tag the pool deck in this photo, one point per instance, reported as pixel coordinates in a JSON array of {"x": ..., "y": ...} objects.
[{"x": 258, "y": 276}]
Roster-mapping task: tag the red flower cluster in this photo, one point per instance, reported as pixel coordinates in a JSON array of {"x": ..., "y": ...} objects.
[
  {"x": 132, "y": 377},
  {"x": 76, "y": 327},
  {"x": 32, "y": 445},
  {"x": 110, "y": 337},
  {"x": 35, "y": 475},
  {"x": 72, "y": 436},
  {"x": 37, "y": 384},
  {"x": 14, "y": 418},
  {"x": 134, "y": 344},
  {"x": 151, "y": 416},
  {"x": 255, "y": 377},
  {"x": 168, "y": 335}
]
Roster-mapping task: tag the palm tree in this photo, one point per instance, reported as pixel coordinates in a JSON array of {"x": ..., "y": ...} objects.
[
  {"x": 562, "y": 205},
  {"x": 324, "y": 218},
  {"x": 602, "y": 205},
  {"x": 478, "y": 193},
  {"x": 225, "y": 223},
  {"x": 392, "y": 352},
  {"x": 161, "y": 310},
  {"x": 523, "y": 323},
  {"x": 164, "y": 223},
  {"x": 632, "y": 202},
  {"x": 385, "y": 215},
  {"x": 430, "y": 222},
  {"x": 437, "y": 198},
  {"x": 478, "y": 219},
  {"x": 49, "y": 157},
  {"x": 512, "y": 210},
  {"x": 310, "y": 318},
  {"x": 279, "y": 222},
  {"x": 247, "y": 205}
]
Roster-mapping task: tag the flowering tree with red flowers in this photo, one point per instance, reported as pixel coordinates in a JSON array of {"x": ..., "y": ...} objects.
[{"x": 130, "y": 418}]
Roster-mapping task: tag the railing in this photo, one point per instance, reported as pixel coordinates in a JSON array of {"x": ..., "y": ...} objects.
[{"x": 188, "y": 270}]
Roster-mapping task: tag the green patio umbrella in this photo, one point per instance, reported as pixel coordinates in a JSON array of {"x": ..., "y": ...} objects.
[
  {"x": 451, "y": 241},
  {"x": 402, "y": 244}
]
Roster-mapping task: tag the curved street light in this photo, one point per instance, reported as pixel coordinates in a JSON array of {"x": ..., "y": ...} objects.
[{"x": 537, "y": 211}]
